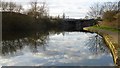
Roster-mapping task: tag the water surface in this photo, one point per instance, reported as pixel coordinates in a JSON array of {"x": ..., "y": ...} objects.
[{"x": 58, "y": 49}]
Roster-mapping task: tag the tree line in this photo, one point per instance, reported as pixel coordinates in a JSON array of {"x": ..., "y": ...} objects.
[
  {"x": 10, "y": 7},
  {"x": 14, "y": 17},
  {"x": 36, "y": 10}
]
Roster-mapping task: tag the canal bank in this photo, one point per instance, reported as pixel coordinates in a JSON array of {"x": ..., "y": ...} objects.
[{"x": 111, "y": 39}]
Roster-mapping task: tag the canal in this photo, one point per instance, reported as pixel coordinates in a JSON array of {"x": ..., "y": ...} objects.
[{"x": 55, "y": 49}]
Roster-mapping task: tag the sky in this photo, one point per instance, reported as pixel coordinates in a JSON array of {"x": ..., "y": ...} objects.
[{"x": 71, "y": 8}]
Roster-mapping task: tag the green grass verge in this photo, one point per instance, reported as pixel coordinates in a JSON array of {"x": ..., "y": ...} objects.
[{"x": 106, "y": 28}]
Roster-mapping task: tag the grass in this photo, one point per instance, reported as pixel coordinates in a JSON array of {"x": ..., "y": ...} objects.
[{"x": 106, "y": 28}]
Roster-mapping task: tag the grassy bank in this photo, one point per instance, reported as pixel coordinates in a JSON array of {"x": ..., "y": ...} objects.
[{"x": 106, "y": 28}]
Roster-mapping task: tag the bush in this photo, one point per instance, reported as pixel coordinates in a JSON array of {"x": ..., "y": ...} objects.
[
  {"x": 16, "y": 22},
  {"x": 12, "y": 21},
  {"x": 109, "y": 16}
]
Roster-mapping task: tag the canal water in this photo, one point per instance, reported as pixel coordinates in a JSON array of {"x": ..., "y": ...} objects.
[{"x": 55, "y": 49}]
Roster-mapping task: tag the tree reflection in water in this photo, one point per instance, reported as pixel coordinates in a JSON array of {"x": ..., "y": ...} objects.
[
  {"x": 35, "y": 40},
  {"x": 13, "y": 46},
  {"x": 97, "y": 45}
]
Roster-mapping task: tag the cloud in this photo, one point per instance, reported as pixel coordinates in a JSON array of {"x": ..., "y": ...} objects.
[{"x": 72, "y": 8}]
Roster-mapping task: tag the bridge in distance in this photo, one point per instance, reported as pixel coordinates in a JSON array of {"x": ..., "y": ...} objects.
[{"x": 77, "y": 24}]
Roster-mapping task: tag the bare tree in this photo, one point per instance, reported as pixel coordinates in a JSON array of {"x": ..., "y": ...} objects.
[
  {"x": 37, "y": 9},
  {"x": 19, "y": 8},
  {"x": 119, "y": 6},
  {"x": 11, "y": 6},
  {"x": 34, "y": 9},
  {"x": 110, "y": 6},
  {"x": 3, "y": 6},
  {"x": 43, "y": 9},
  {"x": 96, "y": 11}
]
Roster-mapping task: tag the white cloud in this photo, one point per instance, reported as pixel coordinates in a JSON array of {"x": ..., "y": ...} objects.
[{"x": 72, "y": 8}]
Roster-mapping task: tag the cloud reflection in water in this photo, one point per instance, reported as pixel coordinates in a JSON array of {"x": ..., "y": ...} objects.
[{"x": 68, "y": 49}]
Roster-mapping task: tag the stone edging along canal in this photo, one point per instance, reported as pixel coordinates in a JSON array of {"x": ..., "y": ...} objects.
[{"x": 109, "y": 43}]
